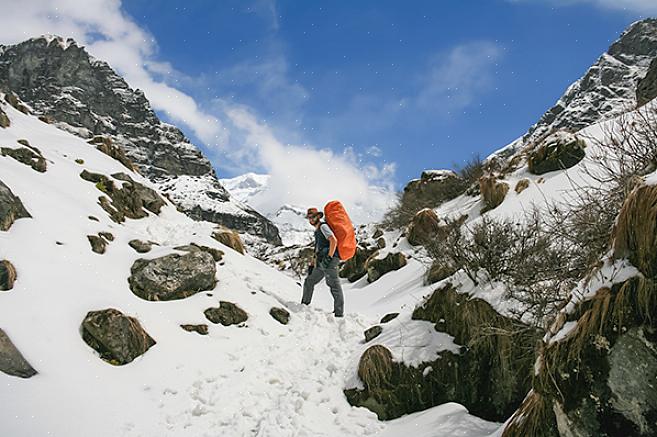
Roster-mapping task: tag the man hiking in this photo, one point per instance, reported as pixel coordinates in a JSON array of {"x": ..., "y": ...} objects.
[{"x": 324, "y": 263}]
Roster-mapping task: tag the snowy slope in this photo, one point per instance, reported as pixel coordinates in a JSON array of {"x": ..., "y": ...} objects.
[{"x": 264, "y": 379}]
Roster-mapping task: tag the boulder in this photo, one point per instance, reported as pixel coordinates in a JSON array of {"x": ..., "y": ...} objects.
[
  {"x": 280, "y": 314},
  {"x": 356, "y": 267},
  {"x": 140, "y": 246},
  {"x": 389, "y": 317},
  {"x": 7, "y": 275},
  {"x": 104, "y": 144},
  {"x": 381, "y": 243},
  {"x": 423, "y": 228},
  {"x": 12, "y": 361},
  {"x": 493, "y": 192},
  {"x": 229, "y": 238},
  {"x": 4, "y": 119},
  {"x": 558, "y": 151},
  {"x": 118, "y": 338},
  {"x": 98, "y": 243},
  {"x": 378, "y": 233},
  {"x": 372, "y": 333},
  {"x": 379, "y": 267},
  {"x": 201, "y": 329},
  {"x": 11, "y": 208},
  {"x": 26, "y": 156},
  {"x": 172, "y": 276},
  {"x": 227, "y": 314}
]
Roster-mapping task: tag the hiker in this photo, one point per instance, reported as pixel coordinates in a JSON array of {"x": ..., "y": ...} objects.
[{"x": 324, "y": 264}]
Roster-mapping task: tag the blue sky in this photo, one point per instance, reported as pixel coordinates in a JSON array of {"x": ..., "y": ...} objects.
[
  {"x": 340, "y": 99},
  {"x": 373, "y": 73}
]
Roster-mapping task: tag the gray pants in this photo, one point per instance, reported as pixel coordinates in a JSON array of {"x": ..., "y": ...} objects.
[{"x": 332, "y": 280}]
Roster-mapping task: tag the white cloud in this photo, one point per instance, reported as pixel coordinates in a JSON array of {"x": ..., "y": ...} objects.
[
  {"x": 456, "y": 79},
  {"x": 109, "y": 34},
  {"x": 646, "y": 7},
  {"x": 306, "y": 176}
]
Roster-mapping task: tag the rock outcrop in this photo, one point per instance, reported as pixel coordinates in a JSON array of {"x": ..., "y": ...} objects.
[
  {"x": 118, "y": 338},
  {"x": 356, "y": 267},
  {"x": 129, "y": 201},
  {"x": 11, "y": 208},
  {"x": 433, "y": 188},
  {"x": 12, "y": 361},
  {"x": 172, "y": 277},
  {"x": 558, "y": 151},
  {"x": 379, "y": 267},
  {"x": 646, "y": 89},
  {"x": 67, "y": 87},
  {"x": 26, "y": 156}
]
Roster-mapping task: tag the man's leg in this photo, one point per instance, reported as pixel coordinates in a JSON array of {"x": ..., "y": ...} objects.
[
  {"x": 333, "y": 282},
  {"x": 309, "y": 284}
]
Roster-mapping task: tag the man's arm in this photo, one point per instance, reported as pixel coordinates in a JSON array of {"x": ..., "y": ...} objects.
[{"x": 333, "y": 243}]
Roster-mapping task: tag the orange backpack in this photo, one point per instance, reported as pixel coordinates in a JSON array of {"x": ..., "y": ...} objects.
[{"x": 338, "y": 220}]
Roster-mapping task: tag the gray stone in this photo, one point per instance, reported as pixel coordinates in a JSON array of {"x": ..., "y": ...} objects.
[
  {"x": 12, "y": 361},
  {"x": 217, "y": 254},
  {"x": 26, "y": 156},
  {"x": 227, "y": 314},
  {"x": 118, "y": 338},
  {"x": 389, "y": 317},
  {"x": 98, "y": 244},
  {"x": 172, "y": 277},
  {"x": 11, "y": 208}
]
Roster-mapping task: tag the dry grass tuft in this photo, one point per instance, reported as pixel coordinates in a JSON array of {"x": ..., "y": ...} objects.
[{"x": 375, "y": 367}]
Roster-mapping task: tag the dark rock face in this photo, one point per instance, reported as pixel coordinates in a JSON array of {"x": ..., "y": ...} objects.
[
  {"x": 646, "y": 89},
  {"x": 227, "y": 314},
  {"x": 199, "y": 329},
  {"x": 608, "y": 88},
  {"x": 556, "y": 152},
  {"x": 172, "y": 277},
  {"x": 26, "y": 156},
  {"x": 372, "y": 333},
  {"x": 11, "y": 208},
  {"x": 12, "y": 361},
  {"x": 65, "y": 86},
  {"x": 118, "y": 339},
  {"x": 490, "y": 376},
  {"x": 280, "y": 314},
  {"x": 423, "y": 228},
  {"x": 438, "y": 272},
  {"x": 379, "y": 267},
  {"x": 128, "y": 201},
  {"x": 356, "y": 266},
  {"x": 7, "y": 275}
]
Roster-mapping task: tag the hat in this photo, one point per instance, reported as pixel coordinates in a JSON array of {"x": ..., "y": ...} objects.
[{"x": 313, "y": 212}]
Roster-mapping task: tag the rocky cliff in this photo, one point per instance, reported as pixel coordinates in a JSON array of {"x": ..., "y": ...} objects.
[{"x": 66, "y": 86}]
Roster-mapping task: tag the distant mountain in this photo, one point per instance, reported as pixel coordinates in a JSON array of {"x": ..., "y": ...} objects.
[
  {"x": 83, "y": 95},
  {"x": 251, "y": 189}
]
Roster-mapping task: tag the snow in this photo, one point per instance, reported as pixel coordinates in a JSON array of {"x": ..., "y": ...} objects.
[{"x": 263, "y": 379}]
